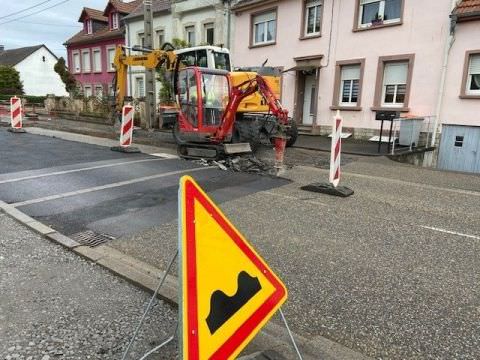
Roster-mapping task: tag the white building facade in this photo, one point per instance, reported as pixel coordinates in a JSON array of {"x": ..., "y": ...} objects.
[
  {"x": 197, "y": 22},
  {"x": 35, "y": 65}
]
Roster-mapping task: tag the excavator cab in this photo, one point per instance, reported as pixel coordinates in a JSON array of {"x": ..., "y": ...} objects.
[
  {"x": 204, "y": 121},
  {"x": 202, "y": 96}
]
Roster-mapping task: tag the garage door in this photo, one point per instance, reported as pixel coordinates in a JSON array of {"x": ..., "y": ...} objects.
[{"x": 460, "y": 148}]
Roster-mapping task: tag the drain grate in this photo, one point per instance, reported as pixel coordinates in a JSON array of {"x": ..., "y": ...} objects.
[{"x": 91, "y": 238}]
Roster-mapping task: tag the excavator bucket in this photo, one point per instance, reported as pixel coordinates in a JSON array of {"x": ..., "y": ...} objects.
[{"x": 237, "y": 148}]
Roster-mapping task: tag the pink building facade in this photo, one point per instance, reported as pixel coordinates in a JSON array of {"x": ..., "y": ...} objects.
[
  {"x": 361, "y": 57},
  {"x": 91, "y": 51}
]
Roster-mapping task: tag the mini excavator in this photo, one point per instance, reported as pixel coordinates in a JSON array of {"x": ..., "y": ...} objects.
[{"x": 209, "y": 125}]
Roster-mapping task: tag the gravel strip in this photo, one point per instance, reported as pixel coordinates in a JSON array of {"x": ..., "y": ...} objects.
[{"x": 55, "y": 305}]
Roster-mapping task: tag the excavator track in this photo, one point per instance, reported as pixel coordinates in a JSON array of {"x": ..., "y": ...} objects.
[{"x": 197, "y": 151}]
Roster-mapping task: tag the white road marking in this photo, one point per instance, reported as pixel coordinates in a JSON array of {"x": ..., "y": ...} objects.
[
  {"x": 75, "y": 170},
  {"x": 108, "y": 186},
  {"x": 451, "y": 232},
  {"x": 165, "y": 155},
  {"x": 396, "y": 181},
  {"x": 289, "y": 197}
]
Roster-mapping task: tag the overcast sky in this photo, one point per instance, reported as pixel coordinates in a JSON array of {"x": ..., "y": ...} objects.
[{"x": 50, "y": 27}]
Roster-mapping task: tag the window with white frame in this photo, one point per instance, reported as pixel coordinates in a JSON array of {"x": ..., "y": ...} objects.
[
  {"x": 87, "y": 90},
  {"x": 190, "y": 35},
  {"x": 86, "y": 68},
  {"x": 111, "y": 57},
  {"x": 89, "y": 27},
  {"x": 473, "y": 80},
  {"x": 313, "y": 11},
  {"x": 141, "y": 39},
  {"x": 209, "y": 33},
  {"x": 160, "y": 38},
  {"x": 115, "y": 21},
  {"x": 139, "y": 87},
  {"x": 97, "y": 60},
  {"x": 264, "y": 28},
  {"x": 395, "y": 77},
  {"x": 349, "y": 85},
  {"x": 76, "y": 62},
  {"x": 99, "y": 91},
  {"x": 377, "y": 12}
]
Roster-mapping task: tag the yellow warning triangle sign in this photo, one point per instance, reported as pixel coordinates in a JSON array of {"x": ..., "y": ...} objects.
[{"x": 228, "y": 290}]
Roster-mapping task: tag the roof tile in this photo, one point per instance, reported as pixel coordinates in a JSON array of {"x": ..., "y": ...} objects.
[
  {"x": 14, "y": 56},
  {"x": 103, "y": 33},
  {"x": 157, "y": 6},
  {"x": 467, "y": 7},
  {"x": 92, "y": 14}
]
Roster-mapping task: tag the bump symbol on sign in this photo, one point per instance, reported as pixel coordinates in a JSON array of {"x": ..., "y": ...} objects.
[{"x": 223, "y": 307}]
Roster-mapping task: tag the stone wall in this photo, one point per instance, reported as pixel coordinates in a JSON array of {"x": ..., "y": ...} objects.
[{"x": 90, "y": 109}]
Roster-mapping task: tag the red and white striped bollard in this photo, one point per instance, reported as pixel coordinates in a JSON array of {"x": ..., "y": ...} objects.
[
  {"x": 16, "y": 112},
  {"x": 126, "y": 132},
  {"x": 335, "y": 156}
]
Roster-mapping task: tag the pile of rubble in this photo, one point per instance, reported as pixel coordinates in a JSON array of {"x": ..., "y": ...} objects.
[{"x": 245, "y": 163}]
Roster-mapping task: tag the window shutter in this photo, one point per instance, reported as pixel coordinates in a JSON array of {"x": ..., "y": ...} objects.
[
  {"x": 395, "y": 74},
  {"x": 351, "y": 72},
  {"x": 474, "y": 67},
  {"x": 264, "y": 17}
]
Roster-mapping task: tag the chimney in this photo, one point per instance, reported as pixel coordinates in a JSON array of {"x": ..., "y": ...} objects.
[{"x": 2, "y": 48}]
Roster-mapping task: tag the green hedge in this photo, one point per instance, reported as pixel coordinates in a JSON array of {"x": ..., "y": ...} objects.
[{"x": 30, "y": 99}]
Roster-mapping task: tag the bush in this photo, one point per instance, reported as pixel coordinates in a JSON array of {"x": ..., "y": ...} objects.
[
  {"x": 30, "y": 98},
  {"x": 10, "y": 82},
  {"x": 67, "y": 78}
]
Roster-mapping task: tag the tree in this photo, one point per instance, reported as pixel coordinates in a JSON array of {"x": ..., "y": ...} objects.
[
  {"x": 10, "y": 83},
  {"x": 66, "y": 76},
  {"x": 165, "y": 78}
]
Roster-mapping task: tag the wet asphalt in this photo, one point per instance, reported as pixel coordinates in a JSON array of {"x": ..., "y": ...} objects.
[{"x": 122, "y": 194}]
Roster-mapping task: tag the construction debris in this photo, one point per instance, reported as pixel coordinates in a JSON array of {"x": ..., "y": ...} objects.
[{"x": 244, "y": 163}]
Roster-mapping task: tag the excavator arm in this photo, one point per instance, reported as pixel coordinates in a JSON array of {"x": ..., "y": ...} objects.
[
  {"x": 151, "y": 59},
  {"x": 240, "y": 92}
]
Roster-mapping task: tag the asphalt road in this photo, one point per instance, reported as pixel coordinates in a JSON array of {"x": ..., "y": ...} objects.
[
  {"x": 392, "y": 272},
  {"x": 75, "y": 187}
]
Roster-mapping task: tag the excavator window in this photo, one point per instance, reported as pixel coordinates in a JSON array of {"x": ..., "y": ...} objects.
[
  {"x": 194, "y": 58},
  {"x": 188, "y": 96},
  {"x": 222, "y": 61},
  {"x": 215, "y": 93}
]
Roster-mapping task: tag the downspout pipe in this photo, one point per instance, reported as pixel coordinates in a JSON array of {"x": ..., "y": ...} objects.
[{"x": 441, "y": 89}]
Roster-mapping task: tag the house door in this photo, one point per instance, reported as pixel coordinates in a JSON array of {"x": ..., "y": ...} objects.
[{"x": 309, "y": 95}]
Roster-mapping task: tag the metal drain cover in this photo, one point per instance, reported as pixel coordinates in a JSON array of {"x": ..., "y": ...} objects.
[{"x": 91, "y": 238}]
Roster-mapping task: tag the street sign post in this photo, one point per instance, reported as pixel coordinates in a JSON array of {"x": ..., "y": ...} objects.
[{"x": 227, "y": 291}]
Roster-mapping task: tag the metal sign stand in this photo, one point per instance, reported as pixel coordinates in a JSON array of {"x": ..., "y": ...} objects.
[
  {"x": 147, "y": 310},
  {"x": 292, "y": 339}
]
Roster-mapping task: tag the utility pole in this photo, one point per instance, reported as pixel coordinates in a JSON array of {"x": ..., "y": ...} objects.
[{"x": 150, "y": 111}]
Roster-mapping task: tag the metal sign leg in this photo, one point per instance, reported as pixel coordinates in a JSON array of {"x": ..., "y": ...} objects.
[
  {"x": 139, "y": 326},
  {"x": 294, "y": 344}
]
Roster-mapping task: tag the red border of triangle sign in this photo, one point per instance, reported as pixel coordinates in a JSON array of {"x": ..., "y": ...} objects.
[{"x": 247, "y": 316}]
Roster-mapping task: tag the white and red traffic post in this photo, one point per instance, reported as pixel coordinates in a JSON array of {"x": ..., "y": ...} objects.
[
  {"x": 126, "y": 134},
  {"x": 16, "y": 112},
  {"x": 336, "y": 152}
]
